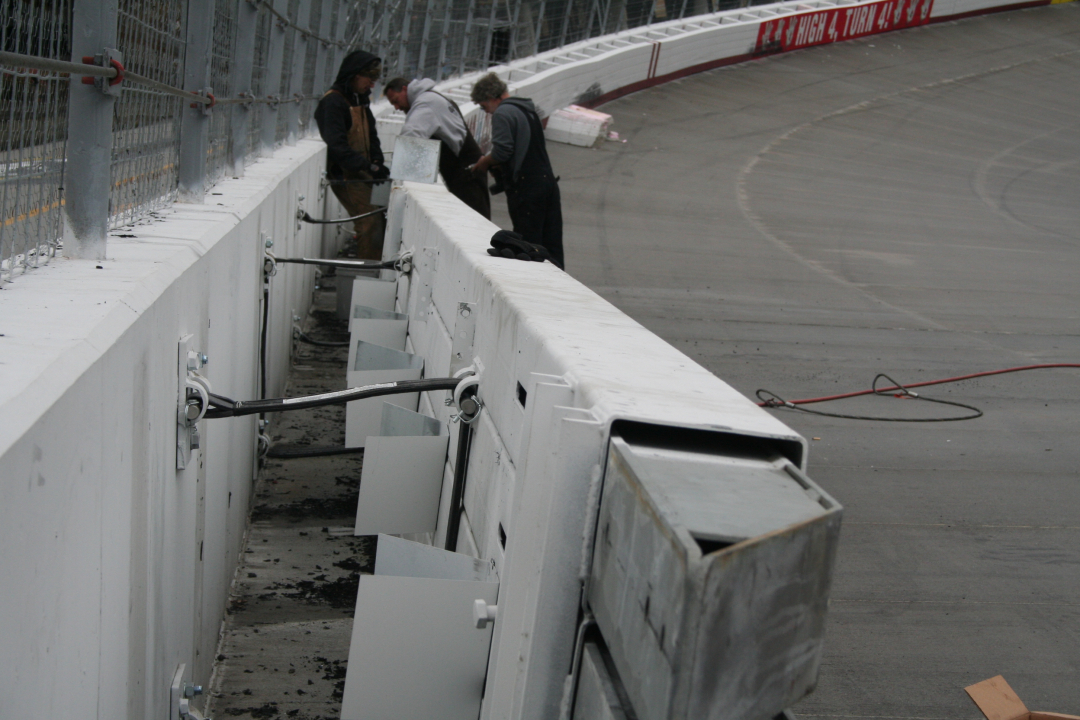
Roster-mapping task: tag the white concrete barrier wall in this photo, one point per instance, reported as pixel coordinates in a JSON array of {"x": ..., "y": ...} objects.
[
  {"x": 583, "y": 365},
  {"x": 116, "y": 567},
  {"x": 104, "y": 593}
]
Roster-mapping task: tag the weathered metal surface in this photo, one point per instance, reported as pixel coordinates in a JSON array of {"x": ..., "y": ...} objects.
[{"x": 710, "y": 578}]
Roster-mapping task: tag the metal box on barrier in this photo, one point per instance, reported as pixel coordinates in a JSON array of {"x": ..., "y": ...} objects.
[{"x": 710, "y": 574}]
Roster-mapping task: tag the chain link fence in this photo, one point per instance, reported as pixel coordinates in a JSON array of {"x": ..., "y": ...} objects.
[
  {"x": 33, "y": 128},
  {"x": 297, "y": 47}
]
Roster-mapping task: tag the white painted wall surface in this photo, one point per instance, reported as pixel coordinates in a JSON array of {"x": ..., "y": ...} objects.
[{"x": 104, "y": 591}]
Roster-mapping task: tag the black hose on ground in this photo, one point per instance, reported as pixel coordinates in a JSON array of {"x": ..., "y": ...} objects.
[
  {"x": 286, "y": 453},
  {"x": 320, "y": 343}
]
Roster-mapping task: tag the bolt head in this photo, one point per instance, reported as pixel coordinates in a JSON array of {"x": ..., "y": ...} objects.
[
  {"x": 269, "y": 243},
  {"x": 204, "y": 359}
]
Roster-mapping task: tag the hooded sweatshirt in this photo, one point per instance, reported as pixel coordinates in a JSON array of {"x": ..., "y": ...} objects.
[
  {"x": 334, "y": 118},
  {"x": 512, "y": 141},
  {"x": 432, "y": 116}
]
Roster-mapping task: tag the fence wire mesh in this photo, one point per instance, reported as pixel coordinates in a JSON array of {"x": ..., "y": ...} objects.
[
  {"x": 33, "y": 115},
  {"x": 222, "y": 54},
  {"x": 146, "y": 123},
  {"x": 414, "y": 38},
  {"x": 260, "y": 82},
  {"x": 284, "y": 89}
]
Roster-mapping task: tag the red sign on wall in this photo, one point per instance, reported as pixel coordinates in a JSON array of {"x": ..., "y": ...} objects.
[{"x": 837, "y": 24}]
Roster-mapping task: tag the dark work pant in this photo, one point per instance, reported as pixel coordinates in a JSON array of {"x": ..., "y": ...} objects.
[{"x": 536, "y": 211}]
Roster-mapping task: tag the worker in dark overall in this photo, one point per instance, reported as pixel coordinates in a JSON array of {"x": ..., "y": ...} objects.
[
  {"x": 353, "y": 154},
  {"x": 430, "y": 114},
  {"x": 517, "y": 147}
]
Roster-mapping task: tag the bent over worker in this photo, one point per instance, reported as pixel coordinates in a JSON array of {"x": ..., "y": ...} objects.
[
  {"x": 430, "y": 114},
  {"x": 517, "y": 146},
  {"x": 354, "y": 156}
]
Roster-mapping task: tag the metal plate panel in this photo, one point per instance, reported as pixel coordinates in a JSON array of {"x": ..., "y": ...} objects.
[
  {"x": 415, "y": 159},
  {"x": 400, "y": 484},
  {"x": 416, "y": 652},
  {"x": 405, "y": 558}
]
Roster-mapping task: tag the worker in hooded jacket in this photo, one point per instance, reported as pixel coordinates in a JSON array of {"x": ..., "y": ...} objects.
[
  {"x": 430, "y": 114},
  {"x": 353, "y": 154}
]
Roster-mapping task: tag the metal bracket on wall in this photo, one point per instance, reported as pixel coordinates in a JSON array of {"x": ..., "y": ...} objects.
[
  {"x": 428, "y": 264},
  {"x": 192, "y": 400},
  {"x": 461, "y": 349},
  {"x": 180, "y": 693}
]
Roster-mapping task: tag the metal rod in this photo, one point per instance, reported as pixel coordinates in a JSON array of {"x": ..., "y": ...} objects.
[
  {"x": 317, "y": 221},
  {"x": 355, "y": 264}
]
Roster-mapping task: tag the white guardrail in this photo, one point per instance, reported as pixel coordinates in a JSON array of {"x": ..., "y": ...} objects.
[{"x": 119, "y": 565}]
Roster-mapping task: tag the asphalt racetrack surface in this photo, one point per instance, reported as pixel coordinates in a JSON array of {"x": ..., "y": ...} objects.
[{"x": 906, "y": 203}]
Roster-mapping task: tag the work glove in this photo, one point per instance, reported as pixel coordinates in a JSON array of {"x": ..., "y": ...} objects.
[
  {"x": 380, "y": 172},
  {"x": 509, "y": 244}
]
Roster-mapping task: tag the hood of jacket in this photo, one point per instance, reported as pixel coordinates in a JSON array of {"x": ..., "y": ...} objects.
[
  {"x": 524, "y": 103},
  {"x": 351, "y": 66},
  {"x": 417, "y": 87}
]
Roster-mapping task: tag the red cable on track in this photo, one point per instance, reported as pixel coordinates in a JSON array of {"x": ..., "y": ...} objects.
[{"x": 826, "y": 398}]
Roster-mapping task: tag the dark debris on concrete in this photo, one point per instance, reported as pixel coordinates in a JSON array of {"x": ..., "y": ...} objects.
[{"x": 286, "y": 637}]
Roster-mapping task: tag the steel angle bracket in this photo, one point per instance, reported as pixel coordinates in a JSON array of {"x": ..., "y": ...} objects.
[
  {"x": 180, "y": 693},
  {"x": 461, "y": 349},
  {"x": 427, "y": 263},
  {"x": 192, "y": 400}
]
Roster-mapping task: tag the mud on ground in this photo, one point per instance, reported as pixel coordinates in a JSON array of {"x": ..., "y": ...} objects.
[{"x": 289, "y": 620}]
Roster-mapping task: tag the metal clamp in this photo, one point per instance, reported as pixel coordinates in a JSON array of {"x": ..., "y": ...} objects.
[{"x": 108, "y": 57}]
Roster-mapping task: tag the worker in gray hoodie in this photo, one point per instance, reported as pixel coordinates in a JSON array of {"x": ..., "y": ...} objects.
[
  {"x": 430, "y": 114},
  {"x": 518, "y": 148}
]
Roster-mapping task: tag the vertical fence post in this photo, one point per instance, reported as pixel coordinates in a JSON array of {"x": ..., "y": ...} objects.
[
  {"x": 89, "y": 141},
  {"x": 246, "y": 19},
  {"x": 339, "y": 51},
  {"x": 539, "y": 27},
  {"x": 465, "y": 37},
  {"x": 490, "y": 31},
  {"x": 324, "y": 52},
  {"x": 511, "y": 52},
  {"x": 403, "y": 40},
  {"x": 272, "y": 80},
  {"x": 447, "y": 19},
  {"x": 421, "y": 58},
  {"x": 195, "y": 120},
  {"x": 565, "y": 22},
  {"x": 296, "y": 79}
]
